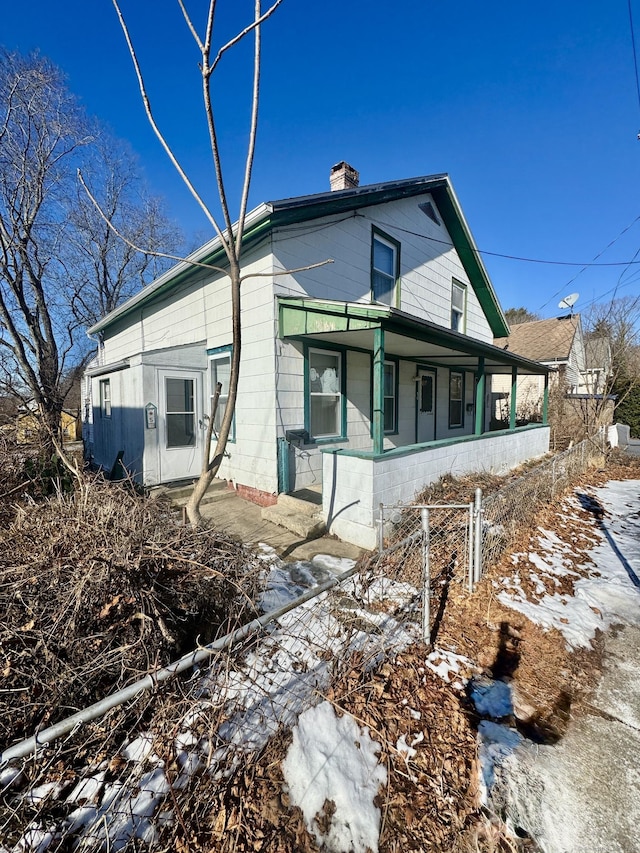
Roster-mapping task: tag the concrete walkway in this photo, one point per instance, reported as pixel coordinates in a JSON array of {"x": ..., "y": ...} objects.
[
  {"x": 242, "y": 520},
  {"x": 581, "y": 794}
]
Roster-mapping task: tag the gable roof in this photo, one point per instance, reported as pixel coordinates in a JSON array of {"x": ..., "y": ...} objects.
[
  {"x": 542, "y": 340},
  {"x": 269, "y": 215}
]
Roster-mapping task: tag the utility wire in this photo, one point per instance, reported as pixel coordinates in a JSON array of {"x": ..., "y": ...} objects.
[{"x": 635, "y": 54}]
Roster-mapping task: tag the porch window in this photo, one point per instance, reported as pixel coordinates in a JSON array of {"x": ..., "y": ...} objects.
[
  {"x": 456, "y": 398},
  {"x": 390, "y": 397},
  {"x": 221, "y": 372},
  {"x": 105, "y": 398},
  {"x": 458, "y": 298},
  {"x": 385, "y": 266},
  {"x": 325, "y": 393},
  {"x": 181, "y": 413}
]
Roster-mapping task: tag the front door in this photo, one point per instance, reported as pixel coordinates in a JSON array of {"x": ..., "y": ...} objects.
[
  {"x": 426, "y": 405},
  {"x": 180, "y": 435}
]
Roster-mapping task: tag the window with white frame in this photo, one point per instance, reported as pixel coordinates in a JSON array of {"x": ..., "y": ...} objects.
[
  {"x": 390, "y": 397},
  {"x": 220, "y": 372},
  {"x": 458, "y": 299},
  {"x": 105, "y": 398},
  {"x": 325, "y": 393},
  {"x": 456, "y": 398},
  {"x": 384, "y": 269}
]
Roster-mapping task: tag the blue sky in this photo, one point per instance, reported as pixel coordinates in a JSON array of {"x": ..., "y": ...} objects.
[{"x": 532, "y": 109}]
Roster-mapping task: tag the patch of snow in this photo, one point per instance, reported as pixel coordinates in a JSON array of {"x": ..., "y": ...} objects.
[
  {"x": 333, "y": 760},
  {"x": 447, "y": 664},
  {"x": 497, "y": 743}
]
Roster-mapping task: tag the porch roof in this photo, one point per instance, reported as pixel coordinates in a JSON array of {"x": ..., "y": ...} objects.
[{"x": 352, "y": 325}]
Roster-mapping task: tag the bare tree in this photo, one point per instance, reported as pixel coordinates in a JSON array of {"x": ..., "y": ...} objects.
[
  {"x": 618, "y": 323},
  {"x": 229, "y": 232},
  {"x": 107, "y": 270},
  {"x": 58, "y": 271}
]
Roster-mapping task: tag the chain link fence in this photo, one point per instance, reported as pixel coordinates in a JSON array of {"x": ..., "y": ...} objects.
[
  {"x": 510, "y": 510},
  {"x": 162, "y": 768},
  {"x": 422, "y": 550}
]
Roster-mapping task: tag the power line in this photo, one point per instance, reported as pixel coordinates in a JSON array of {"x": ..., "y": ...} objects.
[
  {"x": 476, "y": 251},
  {"x": 635, "y": 55}
]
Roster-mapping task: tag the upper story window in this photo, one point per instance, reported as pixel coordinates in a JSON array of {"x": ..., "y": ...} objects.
[
  {"x": 105, "y": 398},
  {"x": 385, "y": 268},
  {"x": 458, "y": 302}
]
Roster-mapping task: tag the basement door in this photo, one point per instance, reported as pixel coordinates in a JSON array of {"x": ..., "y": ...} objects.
[
  {"x": 180, "y": 432},
  {"x": 426, "y": 405}
]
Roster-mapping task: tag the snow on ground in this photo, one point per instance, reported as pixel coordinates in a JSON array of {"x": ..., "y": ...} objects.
[
  {"x": 609, "y": 594},
  {"x": 332, "y": 771},
  {"x": 278, "y": 678},
  {"x": 611, "y": 588}
]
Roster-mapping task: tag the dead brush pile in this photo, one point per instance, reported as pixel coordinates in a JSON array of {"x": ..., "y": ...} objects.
[{"x": 100, "y": 586}]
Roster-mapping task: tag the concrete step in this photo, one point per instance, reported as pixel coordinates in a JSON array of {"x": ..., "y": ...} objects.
[
  {"x": 303, "y": 525},
  {"x": 180, "y": 494},
  {"x": 293, "y": 504}
]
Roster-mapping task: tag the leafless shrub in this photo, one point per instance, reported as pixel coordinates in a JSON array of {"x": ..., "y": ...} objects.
[{"x": 99, "y": 586}]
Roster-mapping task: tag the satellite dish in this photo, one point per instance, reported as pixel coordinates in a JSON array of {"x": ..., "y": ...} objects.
[{"x": 569, "y": 301}]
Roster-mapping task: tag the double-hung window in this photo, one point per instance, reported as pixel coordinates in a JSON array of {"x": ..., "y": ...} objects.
[
  {"x": 458, "y": 298},
  {"x": 385, "y": 266},
  {"x": 390, "y": 397},
  {"x": 325, "y": 393},
  {"x": 220, "y": 372},
  {"x": 105, "y": 398},
  {"x": 456, "y": 399}
]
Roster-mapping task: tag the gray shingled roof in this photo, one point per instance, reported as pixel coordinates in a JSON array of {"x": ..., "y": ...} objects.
[{"x": 542, "y": 340}]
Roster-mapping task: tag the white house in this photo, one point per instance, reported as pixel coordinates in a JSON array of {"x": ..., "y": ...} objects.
[
  {"x": 559, "y": 344},
  {"x": 366, "y": 378}
]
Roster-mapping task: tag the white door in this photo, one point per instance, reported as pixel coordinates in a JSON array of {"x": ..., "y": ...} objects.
[
  {"x": 180, "y": 432},
  {"x": 426, "y": 405}
]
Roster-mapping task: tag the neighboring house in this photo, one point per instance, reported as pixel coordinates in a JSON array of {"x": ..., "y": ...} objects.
[
  {"x": 366, "y": 378},
  {"x": 598, "y": 364},
  {"x": 28, "y": 425},
  {"x": 557, "y": 343}
]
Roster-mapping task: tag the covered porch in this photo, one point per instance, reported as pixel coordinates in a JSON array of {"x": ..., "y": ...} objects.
[{"x": 443, "y": 407}]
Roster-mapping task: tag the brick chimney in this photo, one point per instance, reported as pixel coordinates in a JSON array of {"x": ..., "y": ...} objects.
[{"x": 343, "y": 177}]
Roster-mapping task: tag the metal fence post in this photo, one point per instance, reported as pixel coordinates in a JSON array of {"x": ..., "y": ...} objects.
[
  {"x": 471, "y": 549},
  {"x": 381, "y": 530},
  {"x": 426, "y": 578},
  {"x": 477, "y": 562}
]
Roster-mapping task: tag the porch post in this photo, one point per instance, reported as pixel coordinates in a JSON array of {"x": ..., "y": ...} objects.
[
  {"x": 545, "y": 400},
  {"x": 480, "y": 397},
  {"x": 514, "y": 397},
  {"x": 378, "y": 390}
]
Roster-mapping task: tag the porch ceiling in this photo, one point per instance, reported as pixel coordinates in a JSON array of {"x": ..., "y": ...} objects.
[{"x": 352, "y": 325}]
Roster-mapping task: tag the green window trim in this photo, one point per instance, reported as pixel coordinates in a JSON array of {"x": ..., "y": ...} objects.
[
  {"x": 456, "y": 399},
  {"x": 385, "y": 267},
  {"x": 325, "y": 380},
  {"x": 394, "y": 364}
]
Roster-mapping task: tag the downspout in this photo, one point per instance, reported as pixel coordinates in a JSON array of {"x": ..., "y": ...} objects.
[{"x": 545, "y": 400}]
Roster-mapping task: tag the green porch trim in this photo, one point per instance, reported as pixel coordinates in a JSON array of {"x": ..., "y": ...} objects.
[
  {"x": 480, "y": 386},
  {"x": 514, "y": 398},
  {"x": 410, "y": 449},
  {"x": 378, "y": 390}
]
